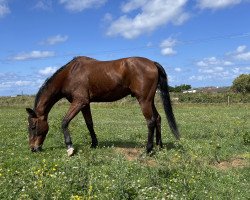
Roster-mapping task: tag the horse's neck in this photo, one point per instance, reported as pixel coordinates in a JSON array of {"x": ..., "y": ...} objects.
[{"x": 45, "y": 102}]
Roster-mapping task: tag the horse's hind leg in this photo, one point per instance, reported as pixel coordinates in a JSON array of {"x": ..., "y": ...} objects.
[
  {"x": 89, "y": 122},
  {"x": 147, "y": 110},
  {"x": 158, "y": 127}
]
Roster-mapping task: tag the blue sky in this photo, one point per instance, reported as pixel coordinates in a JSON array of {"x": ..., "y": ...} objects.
[{"x": 199, "y": 42}]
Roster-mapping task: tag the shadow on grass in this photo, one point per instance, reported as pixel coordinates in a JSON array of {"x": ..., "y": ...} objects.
[
  {"x": 172, "y": 145},
  {"x": 121, "y": 144}
]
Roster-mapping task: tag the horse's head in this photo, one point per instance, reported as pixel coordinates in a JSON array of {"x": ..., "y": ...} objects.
[{"x": 38, "y": 129}]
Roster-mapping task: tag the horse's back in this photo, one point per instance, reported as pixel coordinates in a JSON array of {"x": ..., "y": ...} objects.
[{"x": 111, "y": 80}]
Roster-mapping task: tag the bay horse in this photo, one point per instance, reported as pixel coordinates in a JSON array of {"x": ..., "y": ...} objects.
[{"x": 84, "y": 80}]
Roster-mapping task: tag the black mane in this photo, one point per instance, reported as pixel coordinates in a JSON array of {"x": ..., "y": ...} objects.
[{"x": 48, "y": 81}]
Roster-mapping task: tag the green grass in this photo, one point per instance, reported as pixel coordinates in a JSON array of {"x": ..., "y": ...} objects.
[{"x": 210, "y": 162}]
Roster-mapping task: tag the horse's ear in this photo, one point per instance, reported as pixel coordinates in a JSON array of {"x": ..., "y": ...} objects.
[{"x": 31, "y": 112}]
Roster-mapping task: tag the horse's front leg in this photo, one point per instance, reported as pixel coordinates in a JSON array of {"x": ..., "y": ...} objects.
[{"x": 72, "y": 112}]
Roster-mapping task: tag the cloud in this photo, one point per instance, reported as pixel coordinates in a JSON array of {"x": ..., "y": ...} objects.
[
  {"x": 43, "y": 5},
  {"x": 107, "y": 17},
  {"x": 213, "y": 61},
  {"x": 152, "y": 14},
  {"x": 213, "y": 68},
  {"x": 132, "y": 5},
  {"x": 17, "y": 83},
  {"x": 167, "y": 47},
  {"x": 13, "y": 83},
  {"x": 240, "y": 54},
  {"x": 216, "y": 4},
  {"x": 80, "y": 5},
  {"x": 22, "y": 83},
  {"x": 55, "y": 40},
  {"x": 245, "y": 56},
  {"x": 241, "y": 48},
  {"x": 47, "y": 71},
  {"x": 4, "y": 9},
  {"x": 33, "y": 55},
  {"x": 177, "y": 69}
]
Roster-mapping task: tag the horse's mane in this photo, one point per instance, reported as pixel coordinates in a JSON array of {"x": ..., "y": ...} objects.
[{"x": 49, "y": 80}]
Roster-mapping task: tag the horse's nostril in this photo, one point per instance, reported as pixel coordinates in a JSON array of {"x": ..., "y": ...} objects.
[
  {"x": 36, "y": 149},
  {"x": 39, "y": 149}
]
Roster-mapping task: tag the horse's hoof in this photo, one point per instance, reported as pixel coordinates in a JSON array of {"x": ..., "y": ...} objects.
[{"x": 70, "y": 151}]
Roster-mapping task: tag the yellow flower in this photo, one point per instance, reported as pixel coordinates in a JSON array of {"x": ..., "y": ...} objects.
[{"x": 76, "y": 197}]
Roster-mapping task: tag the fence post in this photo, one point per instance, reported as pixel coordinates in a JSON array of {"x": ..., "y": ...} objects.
[{"x": 228, "y": 100}]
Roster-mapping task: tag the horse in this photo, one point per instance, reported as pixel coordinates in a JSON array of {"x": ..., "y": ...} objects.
[{"x": 84, "y": 80}]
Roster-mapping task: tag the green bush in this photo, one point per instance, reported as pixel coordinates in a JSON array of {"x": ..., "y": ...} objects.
[{"x": 212, "y": 98}]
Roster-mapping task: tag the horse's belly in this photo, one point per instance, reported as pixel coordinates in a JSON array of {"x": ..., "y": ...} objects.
[{"x": 109, "y": 96}]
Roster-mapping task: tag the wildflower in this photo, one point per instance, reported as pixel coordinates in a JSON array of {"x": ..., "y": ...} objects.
[{"x": 76, "y": 197}]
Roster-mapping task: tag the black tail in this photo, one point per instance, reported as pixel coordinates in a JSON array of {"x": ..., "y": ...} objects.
[{"x": 163, "y": 86}]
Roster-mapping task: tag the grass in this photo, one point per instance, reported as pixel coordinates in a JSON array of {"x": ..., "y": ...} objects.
[{"x": 210, "y": 162}]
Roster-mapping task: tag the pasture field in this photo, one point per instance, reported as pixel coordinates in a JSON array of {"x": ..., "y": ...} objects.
[{"x": 211, "y": 161}]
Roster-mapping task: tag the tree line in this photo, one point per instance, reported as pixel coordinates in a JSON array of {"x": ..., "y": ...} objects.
[{"x": 241, "y": 84}]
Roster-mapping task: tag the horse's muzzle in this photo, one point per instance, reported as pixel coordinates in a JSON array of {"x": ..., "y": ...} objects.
[{"x": 36, "y": 149}]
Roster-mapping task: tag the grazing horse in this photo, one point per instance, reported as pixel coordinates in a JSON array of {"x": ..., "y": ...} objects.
[{"x": 84, "y": 80}]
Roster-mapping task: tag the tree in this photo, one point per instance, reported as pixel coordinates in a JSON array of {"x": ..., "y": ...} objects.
[
  {"x": 180, "y": 88},
  {"x": 242, "y": 84}
]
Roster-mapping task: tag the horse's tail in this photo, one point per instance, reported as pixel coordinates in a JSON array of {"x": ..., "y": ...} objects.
[{"x": 165, "y": 96}]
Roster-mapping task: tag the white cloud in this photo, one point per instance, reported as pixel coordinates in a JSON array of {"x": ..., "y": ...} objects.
[
  {"x": 152, "y": 14},
  {"x": 107, "y": 17},
  {"x": 80, "y": 5},
  {"x": 243, "y": 56},
  {"x": 167, "y": 47},
  {"x": 241, "y": 48},
  {"x": 47, "y": 71},
  {"x": 22, "y": 83},
  {"x": 177, "y": 69},
  {"x": 132, "y": 5},
  {"x": 213, "y": 62},
  {"x": 240, "y": 53},
  {"x": 33, "y": 55},
  {"x": 55, "y": 39},
  {"x": 236, "y": 70},
  {"x": 216, "y": 4},
  {"x": 199, "y": 77},
  {"x": 43, "y": 5},
  {"x": 213, "y": 68},
  {"x": 4, "y": 9}
]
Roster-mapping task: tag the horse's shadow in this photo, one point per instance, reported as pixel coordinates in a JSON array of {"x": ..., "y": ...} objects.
[
  {"x": 121, "y": 144},
  {"x": 173, "y": 146}
]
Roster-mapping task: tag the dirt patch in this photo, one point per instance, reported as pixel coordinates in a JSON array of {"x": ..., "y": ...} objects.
[
  {"x": 136, "y": 154},
  {"x": 233, "y": 163},
  {"x": 130, "y": 154}
]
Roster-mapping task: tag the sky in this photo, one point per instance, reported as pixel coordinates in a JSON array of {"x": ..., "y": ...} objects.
[{"x": 199, "y": 42}]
